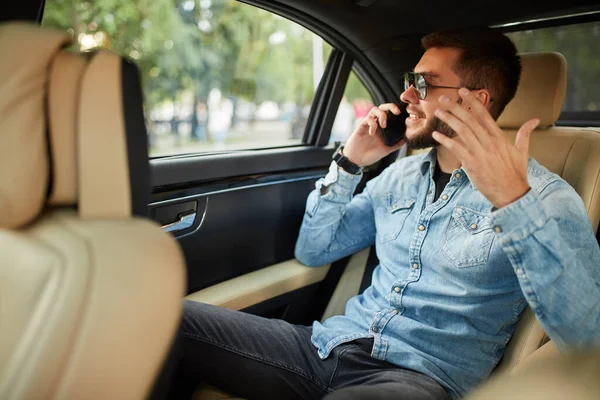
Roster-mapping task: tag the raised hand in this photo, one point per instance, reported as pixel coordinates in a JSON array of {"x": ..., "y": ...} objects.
[{"x": 496, "y": 167}]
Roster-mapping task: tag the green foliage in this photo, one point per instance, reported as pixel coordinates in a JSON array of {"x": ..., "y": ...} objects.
[
  {"x": 195, "y": 45},
  {"x": 355, "y": 90}
]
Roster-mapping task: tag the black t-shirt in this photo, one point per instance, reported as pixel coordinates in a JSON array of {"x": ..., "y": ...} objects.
[{"x": 441, "y": 179}]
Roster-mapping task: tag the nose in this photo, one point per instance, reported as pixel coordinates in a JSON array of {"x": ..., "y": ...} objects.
[{"x": 409, "y": 96}]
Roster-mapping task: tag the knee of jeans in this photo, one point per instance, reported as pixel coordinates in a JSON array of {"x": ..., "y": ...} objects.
[{"x": 191, "y": 313}]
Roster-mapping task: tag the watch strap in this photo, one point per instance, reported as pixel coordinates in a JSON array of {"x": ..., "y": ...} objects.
[{"x": 344, "y": 163}]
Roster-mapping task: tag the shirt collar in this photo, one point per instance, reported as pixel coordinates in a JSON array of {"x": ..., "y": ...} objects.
[{"x": 430, "y": 160}]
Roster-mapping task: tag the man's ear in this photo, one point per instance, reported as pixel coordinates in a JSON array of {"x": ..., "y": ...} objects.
[{"x": 484, "y": 97}]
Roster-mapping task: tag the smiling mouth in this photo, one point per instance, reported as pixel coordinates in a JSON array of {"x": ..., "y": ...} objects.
[
  {"x": 412, "y": 118},
  {"x": 413, "y": 115}
]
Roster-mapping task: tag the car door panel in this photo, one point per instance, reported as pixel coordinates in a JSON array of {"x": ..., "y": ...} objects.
[
  {"x": 243, "y": 230},
  {"x": 259, "y": 286},
  {"x": 240, "y": 211}
]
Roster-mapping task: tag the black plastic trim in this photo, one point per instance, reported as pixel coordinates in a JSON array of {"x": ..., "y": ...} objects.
[
  {"x": 327, "y": 98},
  {"x": 320, "y": 101},
  {"x": 593, "y": 15},
  {"x": 169, "y": 171},
  {"x": 336, "y": 84},
  {"x": 175, "y": 194},
  {"x": 579, "y": 118},
  {"x": 23, "y": 10},
  {"x": 136, "y": 137},
  {"x": 40, "y": 14}
]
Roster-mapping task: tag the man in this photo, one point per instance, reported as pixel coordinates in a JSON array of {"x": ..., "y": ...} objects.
[{"x": 467, "y": 235}]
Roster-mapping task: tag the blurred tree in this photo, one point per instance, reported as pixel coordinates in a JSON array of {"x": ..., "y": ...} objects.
[
  {"x": 139, "y": 30},
  {"x": 186, "y": 48}
]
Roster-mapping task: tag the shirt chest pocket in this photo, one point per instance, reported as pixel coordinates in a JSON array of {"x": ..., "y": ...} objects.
[
  {"x": 468, "y": 238},
  {"x": 393, "y": 214}
]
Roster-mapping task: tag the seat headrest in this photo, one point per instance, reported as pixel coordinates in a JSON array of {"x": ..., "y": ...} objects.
[
  {"x": 541, "y": 91},
  {"x": 24, "y": 167},
  {"x": 72, "y": 129}
]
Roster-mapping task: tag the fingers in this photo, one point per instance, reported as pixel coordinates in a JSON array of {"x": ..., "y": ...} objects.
[
  {"x": 377, "y": 116},
  {"x": 523, "y": 135},
  {"x": 454, "y": 145},
  {"x": 480, "y": 113},
  {"x": 465, "y": 122},
  {"x": 390, "y": 107},
  {"x": 462, "y": 130},
  {"x": 371, "y": 121}
]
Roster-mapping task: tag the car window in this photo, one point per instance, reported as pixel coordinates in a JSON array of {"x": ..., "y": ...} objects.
[
  {"x": 580, "y": 44},
  {"x": 355, "y": 105},
  {"x": 217, "y": 74}
]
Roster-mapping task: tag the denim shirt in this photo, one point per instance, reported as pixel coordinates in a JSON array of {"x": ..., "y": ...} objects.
[{"x": 454, "y": 274}]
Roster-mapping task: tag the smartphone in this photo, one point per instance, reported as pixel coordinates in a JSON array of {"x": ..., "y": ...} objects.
[{"x": 396, "y": 126}]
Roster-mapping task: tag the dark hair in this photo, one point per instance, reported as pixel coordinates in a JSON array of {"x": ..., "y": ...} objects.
[{"x": 488, "y": 60}]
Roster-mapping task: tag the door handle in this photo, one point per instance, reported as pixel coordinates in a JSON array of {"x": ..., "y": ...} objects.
[{"x": 184, "y": 222}]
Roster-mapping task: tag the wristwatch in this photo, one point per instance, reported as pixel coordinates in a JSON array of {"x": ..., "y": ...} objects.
[{"x": 344, "y": 163}]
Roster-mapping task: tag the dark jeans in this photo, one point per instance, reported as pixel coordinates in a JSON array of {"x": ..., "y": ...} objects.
[{"x": 260, "y": 358}]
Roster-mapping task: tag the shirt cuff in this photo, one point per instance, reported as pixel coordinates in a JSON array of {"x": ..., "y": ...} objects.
[
  {"x": 519, "y": 219},
  {"x": 341, "y": 183}
]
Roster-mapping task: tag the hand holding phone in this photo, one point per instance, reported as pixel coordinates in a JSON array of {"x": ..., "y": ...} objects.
[{"x": 395, "y": 126}]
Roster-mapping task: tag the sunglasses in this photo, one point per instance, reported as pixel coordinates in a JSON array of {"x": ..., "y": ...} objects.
[{"x": 418, "y": 81}]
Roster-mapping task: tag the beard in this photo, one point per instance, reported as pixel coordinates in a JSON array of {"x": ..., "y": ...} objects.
[{"x": 423, "y": 139}]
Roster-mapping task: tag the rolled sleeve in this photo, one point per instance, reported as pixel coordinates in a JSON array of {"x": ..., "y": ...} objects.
[{"x": 341, "y": 184}]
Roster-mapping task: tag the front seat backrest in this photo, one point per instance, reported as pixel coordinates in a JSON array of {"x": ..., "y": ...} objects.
[
  {"x": 573, "y": 153},
  {"x": 90, "y": 292}
]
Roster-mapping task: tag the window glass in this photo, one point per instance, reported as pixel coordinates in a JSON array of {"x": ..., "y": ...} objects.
[
  {"x": 580, "y": 44},
  {"x": 216, "y": 74},
  {"x": 355, "y": 105}
]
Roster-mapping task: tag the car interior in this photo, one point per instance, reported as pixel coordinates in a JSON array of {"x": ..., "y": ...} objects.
[{"x": 100, "y": 240}]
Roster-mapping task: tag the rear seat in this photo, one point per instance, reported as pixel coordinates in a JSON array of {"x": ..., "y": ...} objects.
[{"x": 573, "y": 153}]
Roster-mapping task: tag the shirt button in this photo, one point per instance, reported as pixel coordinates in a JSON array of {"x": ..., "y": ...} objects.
[
  {"x": 473, "y": 226},
  {"x": 457, "y": 175},
  {"x": 397, "y": 289},
  {"x": 415, "y": 266},
  {"x": 445, "y": 197},
  {"x": 421, "y": 228},
  {"x": 497, "y": 229}
]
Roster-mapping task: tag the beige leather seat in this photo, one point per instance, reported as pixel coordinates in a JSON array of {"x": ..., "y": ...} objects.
[
  {"x": 90, "y": 291},
  {"x": 573, "y": 153},
  {"x": 573, "y": 376}
]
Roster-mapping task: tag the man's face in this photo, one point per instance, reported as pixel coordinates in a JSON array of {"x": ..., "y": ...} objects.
[{"x": 436, "y": 66}]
